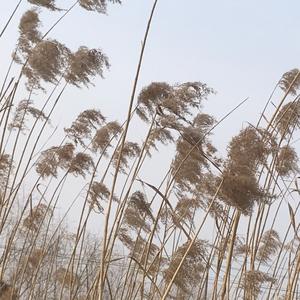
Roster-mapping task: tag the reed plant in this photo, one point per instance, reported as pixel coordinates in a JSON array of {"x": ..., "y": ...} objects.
[{"x": 210, "y": 229}]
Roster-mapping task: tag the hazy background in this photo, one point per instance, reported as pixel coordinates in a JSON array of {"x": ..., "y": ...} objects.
[{"x": 239, "y": 48}]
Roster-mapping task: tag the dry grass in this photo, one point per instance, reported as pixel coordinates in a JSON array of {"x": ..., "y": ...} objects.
[{"x": 211, "y": 229}]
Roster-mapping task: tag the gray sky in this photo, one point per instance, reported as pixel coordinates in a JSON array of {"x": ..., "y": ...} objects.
[{"x": 239, "y": 48}]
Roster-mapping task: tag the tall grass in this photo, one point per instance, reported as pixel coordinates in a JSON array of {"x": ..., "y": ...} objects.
[{"x": 212, "y": 228}]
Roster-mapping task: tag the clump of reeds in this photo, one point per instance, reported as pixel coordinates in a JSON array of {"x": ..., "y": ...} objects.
[{"x": 153, "y": 245}]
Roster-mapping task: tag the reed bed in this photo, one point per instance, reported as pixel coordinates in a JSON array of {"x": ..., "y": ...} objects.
[{"x": 211, "y": 229}]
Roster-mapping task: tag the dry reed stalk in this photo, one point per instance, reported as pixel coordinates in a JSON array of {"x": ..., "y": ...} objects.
[
  {"x": 107, "y": 214},
  {"x": 229, "y": 255},
  {"x": 288, "y": 90},
  {"x": 167, "y": 290},
  {"x": 122, "y": 203},
  {"x": 10, "y": 18}
]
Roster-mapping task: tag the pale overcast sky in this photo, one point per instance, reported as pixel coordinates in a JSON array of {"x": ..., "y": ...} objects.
[{"x": 239, "y": 48}]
